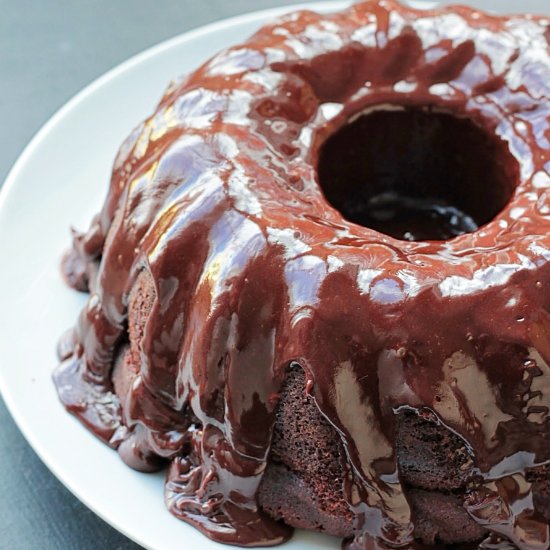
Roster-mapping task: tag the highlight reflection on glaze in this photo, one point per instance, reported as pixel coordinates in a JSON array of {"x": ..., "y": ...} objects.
[{"x": 215, "y": 199}]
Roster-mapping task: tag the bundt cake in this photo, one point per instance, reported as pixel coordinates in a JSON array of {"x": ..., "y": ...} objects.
[{"x": 320, "y": 284}]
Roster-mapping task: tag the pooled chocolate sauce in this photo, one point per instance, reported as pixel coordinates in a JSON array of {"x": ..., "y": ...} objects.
[
  {"x": 413, "y": 219},
  {"x": 216, "y": 200}
]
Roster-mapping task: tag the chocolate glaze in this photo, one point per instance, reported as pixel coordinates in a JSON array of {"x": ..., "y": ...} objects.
[{"x": 216, "y": 199}]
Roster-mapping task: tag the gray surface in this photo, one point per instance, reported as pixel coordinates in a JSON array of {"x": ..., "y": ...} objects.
[{"x": 50, "y": 49}]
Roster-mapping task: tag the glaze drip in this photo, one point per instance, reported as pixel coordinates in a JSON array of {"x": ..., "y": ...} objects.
[{"x": 216, "y": 212}]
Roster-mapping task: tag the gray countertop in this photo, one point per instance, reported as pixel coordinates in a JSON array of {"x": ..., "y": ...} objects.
[{"x": 49, "y": 50}]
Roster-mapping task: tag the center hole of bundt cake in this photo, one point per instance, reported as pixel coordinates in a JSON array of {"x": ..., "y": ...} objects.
[{"x": 416, "y": 174}]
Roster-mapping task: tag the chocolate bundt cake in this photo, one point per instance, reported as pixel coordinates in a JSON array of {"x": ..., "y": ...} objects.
[{"x": 320, "y": 284}]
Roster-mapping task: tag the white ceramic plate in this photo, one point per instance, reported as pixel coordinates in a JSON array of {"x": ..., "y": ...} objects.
[{"x": 60, "y": 180}]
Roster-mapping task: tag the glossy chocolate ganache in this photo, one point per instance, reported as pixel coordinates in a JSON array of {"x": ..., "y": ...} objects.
[{"x": 353, "y": 206}]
